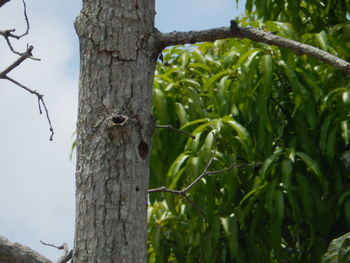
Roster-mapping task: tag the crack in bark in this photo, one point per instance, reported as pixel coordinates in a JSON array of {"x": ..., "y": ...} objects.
[{"x": 124, "y": 233}]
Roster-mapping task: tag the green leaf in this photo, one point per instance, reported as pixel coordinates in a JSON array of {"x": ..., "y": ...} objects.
[
  {"x": 304, "y": 190},
  {"x": 181, "y": 113},
  {"x": 242, "y": 133},
  {"x": 156, "y": 236},
  {"x": 322, "y": 40},
  {"x": 343, "y": 196},
  {"x": 161, "y": 106},
  {"x": 229, "y": 225},
  {"x": 268, "y": 163},
  {"x": 331, "y": 140},
  {"x": 325, "y": 132},
  {"x": 338, "y": 250},
  {"x": 173, "y": 174},
  {"x": 345, "y": 131},
  {"x": 314, "y": 167}
]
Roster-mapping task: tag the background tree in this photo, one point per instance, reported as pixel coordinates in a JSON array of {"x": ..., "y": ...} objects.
[{"x": 264, "y": 104}]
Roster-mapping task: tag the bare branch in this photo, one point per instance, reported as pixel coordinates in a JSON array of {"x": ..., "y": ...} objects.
[
  {"x": 66, "y": 256},
  {"x": 176, "y": 38},
  {"x": 40, "y": 102},
  {"x": 26, "y": 18},
  {"x": 205, "y": 172},
  {"x": 23, "y": 57},
  {"x": 15, "y": 252},
  {"x": 63, "y": 246},
  {"x": 196, "y": 207},
  {"x": 9, "y": 33},
  {"x": 175, "y": 129}
]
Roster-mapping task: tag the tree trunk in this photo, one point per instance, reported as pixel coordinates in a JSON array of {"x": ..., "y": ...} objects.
[{"x": 114, "y": 128}]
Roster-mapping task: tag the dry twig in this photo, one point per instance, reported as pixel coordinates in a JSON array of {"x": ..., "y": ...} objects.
[
  {"x": 7, "y": 34},
  {"x": 175, "y": 129},
  {"x": 205, "y": 172},
  {"x": 66, "y": 256}
]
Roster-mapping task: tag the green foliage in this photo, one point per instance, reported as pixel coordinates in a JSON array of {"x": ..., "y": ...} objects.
[
  {"x": 253, "y": 103},
  {"x": 338, "y": 251},
  {"x": 304, "y": 15}
]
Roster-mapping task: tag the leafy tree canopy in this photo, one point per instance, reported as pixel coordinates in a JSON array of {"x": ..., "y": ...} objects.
[
  {"x": 283, "y": 119},
  {"x": 304, "y": 15}
]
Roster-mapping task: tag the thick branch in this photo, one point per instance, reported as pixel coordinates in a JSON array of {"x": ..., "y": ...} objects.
[
  {"x": 176, "y": 38},
  {"x": 15, "y": 252}
]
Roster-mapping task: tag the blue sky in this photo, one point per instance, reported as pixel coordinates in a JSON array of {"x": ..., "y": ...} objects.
[{"x": 36, "y": 176}]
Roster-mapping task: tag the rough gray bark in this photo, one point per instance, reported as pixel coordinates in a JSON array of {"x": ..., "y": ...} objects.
[
  {"x": 16, "y": 253},
  {"x": 114, "y": 128}
]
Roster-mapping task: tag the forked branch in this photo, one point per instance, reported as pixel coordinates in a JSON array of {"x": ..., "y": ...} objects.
[
  {"x": 204, "y": 173},
  {"x": 7, "y": 34}
]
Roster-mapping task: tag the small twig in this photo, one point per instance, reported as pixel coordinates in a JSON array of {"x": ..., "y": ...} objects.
[
  {"x": 51, "y": 245},
  {"x": 175, "y": 129},
  {"x": 23, "y": 56},
  {"x": 9, "y": 33},
  {"x": 15, "y": 64},
  {"x": 204, "y": 173},
  {"x": 66, "y": 256},
  {"x": 40, "y": 101},
  {"x": 26, "y": 18},
  {"x": 196, "y": 207}
]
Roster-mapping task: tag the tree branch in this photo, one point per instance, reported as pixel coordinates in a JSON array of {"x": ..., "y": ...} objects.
[
  {"x": 205, "y": 172},
  {"x": 23, "y": 57},
  {"x": 3, "y": 75},
  {"x": 66, "y": 255},
  {"x": 15, "y": 252},
  {"x": 2, "y": 2},
  {"x": 177, "y": 38}
]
